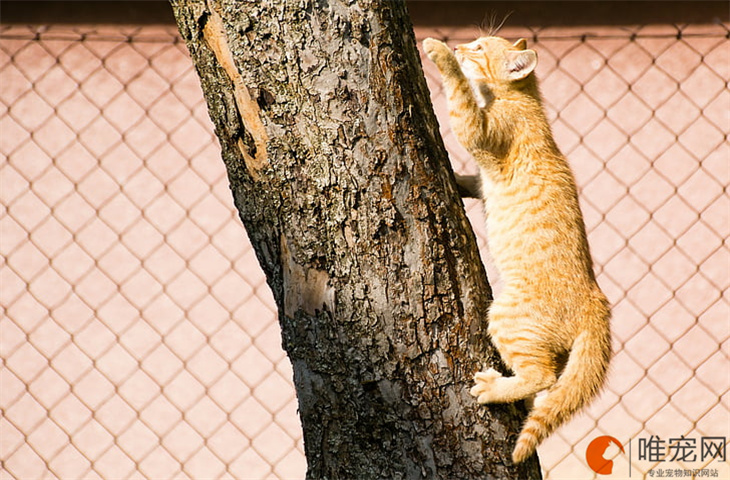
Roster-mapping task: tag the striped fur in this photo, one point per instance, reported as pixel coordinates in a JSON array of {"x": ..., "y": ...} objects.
[{"x": 551, "y": 321}]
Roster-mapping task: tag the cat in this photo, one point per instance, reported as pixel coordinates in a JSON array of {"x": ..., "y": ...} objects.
[{"x": 550, "y": 323}]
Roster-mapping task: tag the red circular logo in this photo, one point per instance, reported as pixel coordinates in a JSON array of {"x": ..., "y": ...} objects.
[{"x": 601, "y": 452}]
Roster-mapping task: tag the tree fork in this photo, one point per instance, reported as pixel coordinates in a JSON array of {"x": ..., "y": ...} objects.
[{"x": 340, "y": 177}]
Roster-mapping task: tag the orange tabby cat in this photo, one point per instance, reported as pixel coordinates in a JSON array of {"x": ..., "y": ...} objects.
[{"x": 551, "y": 321}]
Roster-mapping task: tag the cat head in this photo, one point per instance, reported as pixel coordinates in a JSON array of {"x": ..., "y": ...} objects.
[{"x": 495, "y": 60}]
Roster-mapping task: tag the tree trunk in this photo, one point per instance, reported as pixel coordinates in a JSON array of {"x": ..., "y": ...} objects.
[{"x": 343, "y": 184}]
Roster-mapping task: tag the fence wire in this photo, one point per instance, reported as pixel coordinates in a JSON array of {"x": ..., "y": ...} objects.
[{"x": 139, "y": 339}]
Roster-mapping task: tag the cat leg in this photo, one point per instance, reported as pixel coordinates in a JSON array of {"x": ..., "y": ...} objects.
[
  {"x": 520, "y": 349},
  {"x": 468, "y": 122},
  {"x": 524, "y": 347},
  {"x": 440, "y": 54},
  {"x": 492, "y": 387},
  {"x": 459, "y": 93}
]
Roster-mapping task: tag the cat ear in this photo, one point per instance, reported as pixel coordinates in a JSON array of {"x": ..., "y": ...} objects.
[
  {"x": 520, "y": 64},
  {"x": 520, "y": 44}
]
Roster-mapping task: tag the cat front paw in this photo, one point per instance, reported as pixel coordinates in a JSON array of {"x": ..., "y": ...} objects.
[
  {"x": 484, "y": 388},
  {"x": 436, "y": 49}
]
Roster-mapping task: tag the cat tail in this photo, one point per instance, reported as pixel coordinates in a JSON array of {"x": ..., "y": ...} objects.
[{"x": 580, "y": 381}]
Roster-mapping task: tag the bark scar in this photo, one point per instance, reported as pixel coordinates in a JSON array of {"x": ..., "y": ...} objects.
[
  {"x": 215, "y": 36},
  {"x": 306, "y": 289}
]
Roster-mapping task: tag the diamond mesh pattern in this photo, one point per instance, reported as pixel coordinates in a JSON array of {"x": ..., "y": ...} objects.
[
  {"x": 643, "y": 118},
  {"x": 138, "y": 337}
]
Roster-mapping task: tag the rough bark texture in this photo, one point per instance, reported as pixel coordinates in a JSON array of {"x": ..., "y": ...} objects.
[{"x": 341, "y": 180}]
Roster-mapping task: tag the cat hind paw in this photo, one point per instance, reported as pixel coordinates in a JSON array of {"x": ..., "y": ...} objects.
[{"x": 484, "y": 385}]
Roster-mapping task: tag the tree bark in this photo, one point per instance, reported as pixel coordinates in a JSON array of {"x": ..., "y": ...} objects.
[{"x": 343, "y": 184}]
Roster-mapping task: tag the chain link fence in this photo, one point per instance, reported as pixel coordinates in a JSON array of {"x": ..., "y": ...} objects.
[
  {"x": 643, "y": 116},
  {"x": 138, "y": 337}
]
